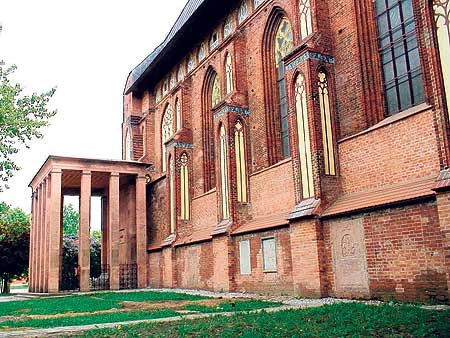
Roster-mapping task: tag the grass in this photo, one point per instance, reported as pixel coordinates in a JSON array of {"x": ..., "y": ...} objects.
[
  {"x": 19, "y": 287},
  {"x": 338, "y": 320},
  {"x": 86, "y": 303}
]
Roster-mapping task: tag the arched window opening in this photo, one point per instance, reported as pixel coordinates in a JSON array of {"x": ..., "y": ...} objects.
[
  {"x": 184, "y": 188},
  {"x": 327, "y": 131},
  {"x": 305, "y": 18},
  {"x": 128, "y": 146},
  {"x": 224, "y": 174},
  {"x": 228, "y": 28},
  {"x": 191, "y": 63},
  {"x": 215, "y": 92},
  {"x": 214, "y": 41},
  {"x": 178, "y": 113},
  {"x": 442, "y": 19},
  {"x": 202, "y": 52},
  {"x": 166, "y": 132},
  {"x": 257, "y": 3},
  {"x": 241, "y": 167},
  {"x": 284, "y": 43},
  {"x": 304, "y": 141},
  {"x": 180, "y": 74},
  {"x": 172, "y": 195},
  {"x": 243, "y": 12},
  {"x": 229, "y": 73}
]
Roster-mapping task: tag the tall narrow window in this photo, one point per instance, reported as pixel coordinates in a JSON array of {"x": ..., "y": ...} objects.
[
  {"x": 184, "y": 187},
  {"x": 305, "y": 18},
  {"x": 215, "y": 93},
  {"x": 128, "y": 146},
  {"x": 304, "y": 141},
  {"x": 191, "y": 63},
  {"x": 172, "y": 195},
  {"x": 180, "y": 74},
  {"x": 178, "y": 112},
  {"x": 241, "y": 168},
  {"x": 229, "y": 73},
  {"x": 224, "y": 173},
  {"x": 243, "y": 11},
  {"x": 166, "y": 132},
  {"x": 228, "y": 28},
  {"x": 442, "y": 19},
  {"x": 399, "y": 51},
  {"x": 327, "y": 131},
  {"x": 284, "y": 43}
]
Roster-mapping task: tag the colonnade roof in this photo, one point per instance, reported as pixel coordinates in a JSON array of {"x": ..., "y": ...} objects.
[{"x": 72, "y": 167}]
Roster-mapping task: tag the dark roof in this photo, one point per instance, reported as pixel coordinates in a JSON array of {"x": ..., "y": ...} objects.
[{"x": 188, "y": 21}]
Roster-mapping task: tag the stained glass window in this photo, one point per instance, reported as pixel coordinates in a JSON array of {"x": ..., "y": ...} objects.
[
  {"x": 229, "y": 73},
  {"x": 442, "y": 19},
  {"x": 305, "y": 18},
  {"x": 228, "y": 28},
  {"x": 399, "y": 51},
  {"x": 202, "y": 52},
  {"x": 184, "y": 187},
  {"x": 166, "y": 132},
  {"x": 327, "y": 131},
  {"x": 304, "y": 140},
  {"x": 224, "y": 173},
  {"x": 284, "y": 42},
  {"x": 215, "y": 92},
  {"x": 243, "y": 12},
  {"x": 241, "y": 167}
]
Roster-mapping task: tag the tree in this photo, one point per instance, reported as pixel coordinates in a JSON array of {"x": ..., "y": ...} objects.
[
  {"x": 71, "y": 220},
  {"x": 14, "y": 244},
  {"x": 22, "y": 118}
]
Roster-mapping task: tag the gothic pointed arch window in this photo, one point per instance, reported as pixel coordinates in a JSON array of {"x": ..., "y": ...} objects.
[
  {"x": 128, "y": 146},
  {"x": 167, "y": 131},
  {"x": 228, "y": 28},
  {"x": 184, "y": 187},
  {"x": 215, "y": 92},
  {"x": 442, "y": 20},
  {"x": 180, "y": 74},
  {"x": 241, "y": 165},
  {"x": 243, "y": 12},
  {"x": 191, "y": 63},
  {"x": 327, "y": 125},
  {"x": 172, "y": 204},
  {"x": 304, "y": 137},
  {"x": 225, "y": 196},
  {"x": 202, "y": 52},
  {"x": 305, "y": 18},
  {"x": 229, "y": 73},
  {"x": 178, "y": 114},
  {"x": 283, "y": 45}
]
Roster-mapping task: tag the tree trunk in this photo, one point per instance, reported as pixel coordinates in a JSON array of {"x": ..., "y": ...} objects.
[{"x": 5, "y": 285}]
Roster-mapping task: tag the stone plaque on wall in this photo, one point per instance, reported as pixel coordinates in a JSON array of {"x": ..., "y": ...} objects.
[{"x": 349, "y": 256}]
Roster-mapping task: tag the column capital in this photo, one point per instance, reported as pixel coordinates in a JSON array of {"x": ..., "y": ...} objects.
[
  {"x": 86, "y": 172},
  {"x": 56, "y": 171},
  {"x": 114, "y": 174}
]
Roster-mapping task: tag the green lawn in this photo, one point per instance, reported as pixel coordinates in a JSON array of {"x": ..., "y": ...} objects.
[
  {"x": 338, "y": 320},
  {"x": 19, "y": 287},
  {"x": 86, "y": 303}
]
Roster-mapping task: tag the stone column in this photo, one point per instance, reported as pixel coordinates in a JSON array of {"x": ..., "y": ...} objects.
[
  {"x": 141, "y": 231},
  {"x": 32, "y": 243},
  {"x": 105, "y": 227},
  {"x": 84, "y": 252},
  {"x": 41, "y": 237},
  {"x": 46, "y": 235},
  {"x": 113, "y": 231},
  {"x": 55, "y": 231}
]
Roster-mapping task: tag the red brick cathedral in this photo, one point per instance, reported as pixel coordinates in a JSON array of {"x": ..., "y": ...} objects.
[{"x": 298, "y": 147}]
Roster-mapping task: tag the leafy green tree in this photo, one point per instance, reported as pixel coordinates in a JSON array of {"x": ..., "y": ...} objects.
[
  {"x": 22, "y": 118},
  {"x": 14, "y": 244},
  {"x": 71, "y": 219}
]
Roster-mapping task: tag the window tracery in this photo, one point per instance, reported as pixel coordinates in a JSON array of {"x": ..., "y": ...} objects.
[
  {"x": 243, "y": 12},
  {"x": 305, "y": 18},
  {"x": 166, "y": 132},
  {"x": 191, "y": 63},
  {"x": 215, "y": 92},
  {"x": 184, "y": 187},
  {"x": 284, "y": 41},
  {"x": 224, "y": 174},
  {"x": 241, "y": 167},
  {"x": 202, "y": 52},
  {"x": 228, "y": 28},
  {"x": 229, "y": 73}
]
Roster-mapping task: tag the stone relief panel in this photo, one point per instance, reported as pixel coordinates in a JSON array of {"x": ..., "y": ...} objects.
[{"x": 349, "y": 256}]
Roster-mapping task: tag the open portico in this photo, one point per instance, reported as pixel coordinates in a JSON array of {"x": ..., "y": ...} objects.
[{"x": 122, "y": 188}]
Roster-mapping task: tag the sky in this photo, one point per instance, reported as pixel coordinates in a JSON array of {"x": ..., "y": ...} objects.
[{"x": 86, "y": 50}]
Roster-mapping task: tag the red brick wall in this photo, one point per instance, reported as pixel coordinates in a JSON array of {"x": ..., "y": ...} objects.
[
  {"x": 158, "y": 224},
  {"x": 279, "y": 282},
  {"x": 204, "y": 211},
  {"x": 405, "y": 257},
  {"x": 404, "y": 150}
]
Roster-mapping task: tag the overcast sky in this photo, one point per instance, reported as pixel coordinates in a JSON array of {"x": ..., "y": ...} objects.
[{"x": 86, "y": 49}]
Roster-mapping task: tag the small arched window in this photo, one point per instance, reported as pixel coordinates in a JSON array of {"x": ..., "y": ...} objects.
[
  {"x": 243, "y": 11},
  {"x": 305, "y": 18},
  {"x": 215, "y": 92},
  {"x": 228, "y": 28},
  {"x": 166, "y": 132},
  {"x": 241, "y": 166},
  {"x": 180, "y": 74},
  {"x": 214, "y": 41},
  {"x": 128, "y": 146},
  {"x": 229, "y": 73},
  {"x": 191, "y": 63},
  {"x": 202, "y": 52},
  {"x": 178, "y": 113},
  {"x": 172, "y": 195},
  {"x": 304, "y": 138},
  {"x": 284, "y": 43},
  {"x": 327, "y": 131},
  {"x": 184, "y": 187},
  {"x": 173, "y": 82},
  {"x": 224, "y": 174}
]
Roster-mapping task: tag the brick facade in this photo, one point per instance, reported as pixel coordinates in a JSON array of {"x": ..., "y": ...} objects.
[{"x": 372, "y": 229}]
